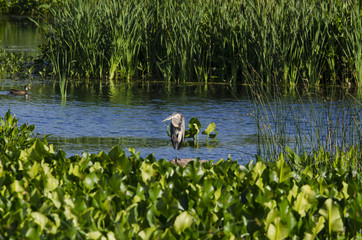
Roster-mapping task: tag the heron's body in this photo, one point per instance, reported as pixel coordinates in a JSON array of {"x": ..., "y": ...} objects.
[
  {"x": 20, "y": 92},
  {"x": 177, "y": 130}
]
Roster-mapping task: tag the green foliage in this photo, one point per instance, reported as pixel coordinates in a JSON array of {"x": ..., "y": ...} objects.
[
  {"x": 288, "y": 42},
  {"x": 208, "y": 131},
  {"x": 11, "y": 64},
  {"x": 45, "y": 195},
  {"x": 194, "y": 130},
  {"x": 13, "y": 137},
  {"x": 23, "y": 7}
]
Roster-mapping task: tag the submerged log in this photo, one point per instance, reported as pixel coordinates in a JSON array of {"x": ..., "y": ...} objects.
[{"x": 183, "y": 162}]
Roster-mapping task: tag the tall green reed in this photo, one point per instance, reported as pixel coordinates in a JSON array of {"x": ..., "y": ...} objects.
[
  {"x": 287, "y": 42},
  {"x": 306, "y": 122}
]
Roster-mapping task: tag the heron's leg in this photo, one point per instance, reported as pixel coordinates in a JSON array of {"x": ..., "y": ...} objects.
[{"x": 176, "y": 156}]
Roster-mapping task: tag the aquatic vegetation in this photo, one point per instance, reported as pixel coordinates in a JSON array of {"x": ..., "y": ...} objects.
[
  {"x": 114, "y": 195},
  {"x": 13, "y": 137},
  {"x": 309, "y": 124},
  {"x": 284, "y": 42},
  {"x": 10, "y": 64},
  {"x": 194, "y": 130}
]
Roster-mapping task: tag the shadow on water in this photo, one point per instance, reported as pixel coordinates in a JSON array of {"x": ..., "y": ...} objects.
[{"x": 19, "y": 35}]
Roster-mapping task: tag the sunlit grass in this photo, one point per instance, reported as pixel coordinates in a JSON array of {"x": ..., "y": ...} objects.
[{"x": 284, "y": 42}]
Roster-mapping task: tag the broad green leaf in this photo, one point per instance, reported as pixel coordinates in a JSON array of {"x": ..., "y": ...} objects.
[
  {"x": 90, "y": 180},
  {"x": 75, "y": 170},
  {"x": 303, "y": 200},
  {"x": 39, "y": 219},
  {"x": 16, "y": 186},
  {"x": 211, "y": 128},
  {"x": 277, "y": 230},
  {"x": 36, "y": 152},
  {"x": 33, "y": 233},
  {"x": 147, "y": 171},
  {"x": 50, "y": 182},
  {"x": 330, "y": 212},
  {"x": 93, "y": 235},
  {"x": 293, "y": 193},
  {"x": 183, "y": 221},
  {"x": 272, "y": 215},
  {"x": 257, "y": 171},
  {"x": 315, "y": 230},
  {"x": 96, "y": 167},
  {"x": 33, "y": 171},
  {"x": 119, "y": 157},
  {"x": 111, "y": 236},
  {"x": 147, "y": 233},
  {"x": 54, "y": 197},
  {"x": 284, "y": 170}
]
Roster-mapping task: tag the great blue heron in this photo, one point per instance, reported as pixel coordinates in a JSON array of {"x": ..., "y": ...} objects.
[{"x": 177, "y": 129}]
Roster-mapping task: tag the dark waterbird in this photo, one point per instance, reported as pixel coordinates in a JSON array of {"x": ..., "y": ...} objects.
[
  {"x": 177, "y": 129},
  {"x": 20, "y": 92}
]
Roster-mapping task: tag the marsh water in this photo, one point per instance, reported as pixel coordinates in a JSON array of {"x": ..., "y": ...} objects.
[{"x": 98, "y": 115}]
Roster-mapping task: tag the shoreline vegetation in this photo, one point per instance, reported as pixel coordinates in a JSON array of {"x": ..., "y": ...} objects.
[
  {"x": 275, "y": 42},
  {"x": 305, "y": 191},
  {"x": 45, "y": 195}
]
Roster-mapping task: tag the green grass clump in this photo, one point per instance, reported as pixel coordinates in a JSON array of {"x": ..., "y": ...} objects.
[
  {"x": 286, "y": 42},
  {"x": 45, "y": 195}
]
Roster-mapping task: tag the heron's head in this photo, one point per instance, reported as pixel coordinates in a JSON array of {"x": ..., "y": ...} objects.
[{"x": 176, "y": 119}]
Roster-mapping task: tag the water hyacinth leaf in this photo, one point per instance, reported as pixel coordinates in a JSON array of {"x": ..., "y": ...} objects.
[
  {"x": 257, "y": 171},
  {"x": 154, "y": 191},
  {"x": 330, "y": 212},
  {"x": 183, "y": 221},
  {"x": 302, "y": 202},
  {"x": 272, "y": 215},
  {"x": 194, "y": 125},
  {"x": 345, "y": 190},
  {"x": 211, "y": 128},
  {"x": 111, "y": 236},
  {"x": 90, "y": 180},
  {"x": 147, "y": 233},
  {"x": 17, "y": 186},
  {"x": 36, "y": 152},
  {"x": 147, "y": 171},
  {"x": 33, "y": 171},
  {"x": 277, "y": 230},
  {"x": 50, "y": 182},
  {"x": 39, "y": 219},
  {"x": 284, "y": 170},
  {"x": 315, "y": 230},
  {"x": 93, "y": 235},
  {"x": 33, "y": 233},
  {"x": 119, "y": 157}
]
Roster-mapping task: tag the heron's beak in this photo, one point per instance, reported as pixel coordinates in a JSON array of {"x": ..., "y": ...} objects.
[{"x": 169, "y": 118}]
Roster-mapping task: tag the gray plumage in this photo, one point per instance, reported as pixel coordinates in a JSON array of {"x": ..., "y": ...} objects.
[{"x": 177, "y": 129}]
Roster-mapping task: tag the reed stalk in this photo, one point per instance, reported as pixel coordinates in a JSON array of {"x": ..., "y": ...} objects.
[
  {"x": 306, "y": 123},
  {"x": 283, "y": 42}
]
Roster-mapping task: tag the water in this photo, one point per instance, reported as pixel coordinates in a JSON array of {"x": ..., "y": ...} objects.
[
  {"x": 99, "y": 115},
  {"x": 18, "y": 35},
  {"x": 96, "y": 117}
]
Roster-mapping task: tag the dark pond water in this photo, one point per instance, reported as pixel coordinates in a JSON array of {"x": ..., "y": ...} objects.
[
  {"x": 19, "y": 35},
  {"x": 99, "y": 115}
]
